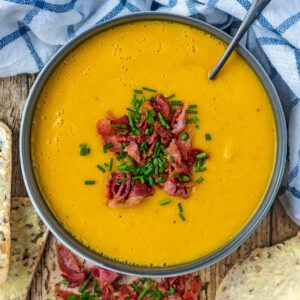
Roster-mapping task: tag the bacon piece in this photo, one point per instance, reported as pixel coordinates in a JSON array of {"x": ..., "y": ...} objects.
[
  {"x": 134, "y": 151},
  {"x": 178, "y": 121},
  {"x": 103, "y": 276},
  {"x": 165, "y": 135},
  {"x": 170, "y": 187},
  {"x": 184, "y": 147},
  {"x": 161, "y": 105},
  {"x": 58, "y": 292},
  {"x": 69, "y": 267},
  {"x": 117, "y": 192},
  {"x": 173, "y": 151},
  {"x": 104, "y": 128},
  {"x": 139, "y": 191}
]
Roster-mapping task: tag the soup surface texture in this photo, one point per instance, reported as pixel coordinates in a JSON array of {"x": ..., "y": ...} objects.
[{"x": 99, "y": 76}]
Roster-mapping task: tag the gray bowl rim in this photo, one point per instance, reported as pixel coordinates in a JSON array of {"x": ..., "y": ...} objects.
[{"x": 166, "y": 271}]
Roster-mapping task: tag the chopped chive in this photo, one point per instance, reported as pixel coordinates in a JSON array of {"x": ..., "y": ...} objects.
[
  {"x": 182, "y": 217},
  {"x": 122, "y": 126},
  {"x": 110, "y": 163},
  {"x": 160, "y": 180},
  {"x": 164, "y": 202},
  {"x": 193, "y": 106},
  {"x": 207, "y": 136},
  {"x": 184, "y": 178},
  {"x": 135, "y": 287},
  {"x": 84, "y": 285},
  {"x": 131, "y": 122},
  {"x": 84, "y": 150},
  {"x": 106, "y": 164},
  {"x": 106, "y": 147},
  {"x": 202, "y": 169},
  {"x": 124, "y": 169},
  {"x": 180, "y": 207},
  {"x": 151, "y": 180},
  {"x": 192, "y": 120},
  {"x": 191, "y": 111},
  {"x": 72, "y": 297},
  {"x": 89, "y": 182},
  {"x": 163, "y": 121},
  {"x": 200, "y": 179},
  {"x": 197, "y": 126},
  {"x": 65, "y": 282},
  {"x": 205, "y": 286},
  {"x": 176, "y": 102},
  {"x": 202, "y": 155},
  {"x": 172, "y": 291},
  {"x": 142, "y": 180},
  {"x": 149, "y": 90},
  {"x": 96, "y": 289},
  {"x": 122, "y": 180},
  {"x": 184, "y": 136},
  {"x": 145, "y": 291},
  {"x": 101, "y": 168},
  {"x": 138, "y": 91},
  {"x": 171, "y": 96}
]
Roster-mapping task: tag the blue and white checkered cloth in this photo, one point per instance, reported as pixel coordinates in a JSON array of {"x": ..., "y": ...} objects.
[{"x": 31, "y": 31}]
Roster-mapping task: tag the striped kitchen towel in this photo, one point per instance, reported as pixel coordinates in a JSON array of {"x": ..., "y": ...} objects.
[{"x": 31, "y": 31}]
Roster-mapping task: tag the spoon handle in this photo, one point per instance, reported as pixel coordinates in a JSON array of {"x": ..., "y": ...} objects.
[{"x": 254, "y": 11}]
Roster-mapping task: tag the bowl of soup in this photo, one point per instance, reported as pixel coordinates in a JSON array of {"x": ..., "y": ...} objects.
[{"x": 83, "y": 180}]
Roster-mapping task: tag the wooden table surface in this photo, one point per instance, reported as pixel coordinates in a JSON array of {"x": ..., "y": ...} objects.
[{"x": 276, "y": 226}]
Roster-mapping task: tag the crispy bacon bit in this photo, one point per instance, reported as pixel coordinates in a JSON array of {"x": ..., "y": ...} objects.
[
  {"x": 184, "y": 147},
  {"x": 178, "y": 121},
  {"x": 170, "y": 187},
  {"x": 69, "y": 267},
  {"x": 161, "y": 105},
  {"x": 133, "y": 150},
  {"x": 117, "y": 189},
  {"x": 139, "y": 191},
  {"x": 121, "y": 193},
  {"x": 63, "y": 293},
  {"x": 105, "y": 277},
  {"x": 174, "y": 152}
]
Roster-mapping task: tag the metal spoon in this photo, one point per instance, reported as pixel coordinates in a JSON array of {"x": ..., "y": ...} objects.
[{"x": 254, "y": 11}]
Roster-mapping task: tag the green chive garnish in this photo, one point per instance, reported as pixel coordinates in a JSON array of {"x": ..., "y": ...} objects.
[
  {"x": 84, "y": 149},
  {"x": 131, "y": 122},
  {"x": 163, "y": 121},
  {"x": 135, "y": 287},
  {"x": 171, "y": 96},
  {"x": 151, "y": 180},
  {"x": 160, "y": 180},
  {"x": 180, "y": 207},
  {"x": 110, "y": 164},
  {"x": 122, "y": 180},
  {"x": 184, "y": 136},
  {"x": 84, "y": 285},
  {"x": 207, "y": 136},
  {"x": 184, "y": 178},
  {"x": 164, "y": 202},
  {"x": 122, "y": 126},
  {"x": 101, "y": 168},
  {"x": 145, "y": 291},
  {"x": 192, "y": 120},
  {"x": 106, "y": 147},
  {"x": 205, "y": 286},
  {"x": 172, "y": 291},
  {"x": 72, "y": 297},
  {"x": 200, "y": 179},
  {"x": 138, "y": 91},
  {"x": 65, "y": 282},
  {"x": 193, "y": 106},
  {"x": 149, "y": 90},
  {"x": 202, "y": 155},
  {"x": 96, "y": 289},
  {"x": 89, "y": 182},
  {"x": 202, "y": 169},
  {"x": 176, "y": 102},
  {"x": 191, "y": 111},
  {"x": 182, "y": 217}
]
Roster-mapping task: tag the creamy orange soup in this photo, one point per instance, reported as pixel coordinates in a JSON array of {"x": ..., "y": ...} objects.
[{"x": 99, "y": 76}]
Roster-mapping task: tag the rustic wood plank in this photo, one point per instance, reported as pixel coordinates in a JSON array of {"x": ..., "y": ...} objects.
[{"x": 276, "y": 227}]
